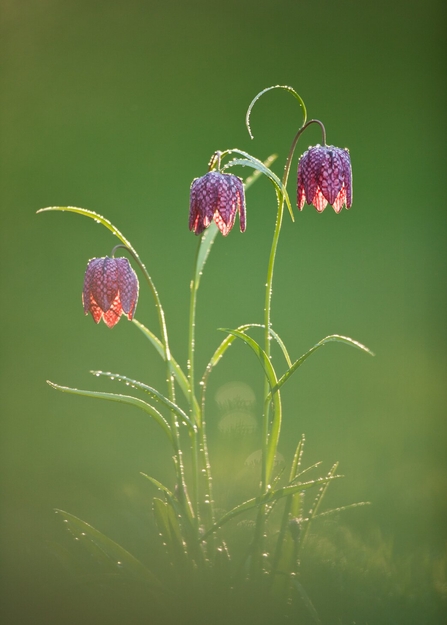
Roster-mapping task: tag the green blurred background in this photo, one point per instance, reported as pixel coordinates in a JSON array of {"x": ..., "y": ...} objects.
[{"x": 116, "y": 106}]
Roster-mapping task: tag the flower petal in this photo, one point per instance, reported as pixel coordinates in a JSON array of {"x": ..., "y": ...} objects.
[
  {"x": 241, "y": 204},
  {"x": 331, "y": 174},
  {"x": 203, "y": 201},
  {"x": 95, "y": 309},
  {"x": 311, "y": 171},
  {"x": 113, "y": 314},
  {"x": 89, "y": 272},
  {"x": 300, "y": 191},
  {"x": 340, "y": 200},
  {"x": 347, "y": 175},
  {"x": 104, "y": 283},
  {"x": 228, "y": 202},
  {"x": 222, "y": 225},
  {"x": 128, "y": 286},
  {"x": 319, "y": 201}
]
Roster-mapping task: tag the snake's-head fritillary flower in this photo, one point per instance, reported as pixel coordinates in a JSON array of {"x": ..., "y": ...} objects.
[
  {"x": 216, "y": 196},
  {"x": 110, "y": 289},
  {"x": 325, "y": 177}
]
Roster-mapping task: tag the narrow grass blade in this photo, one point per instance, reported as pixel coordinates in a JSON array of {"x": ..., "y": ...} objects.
[
  {"x": 307, "y": 602},
  {"x": 297, "y": 457},
  {"x": 285, "y": 545},
  {"x": 277, "y": 412},
  {"x": 332, "y": 338},
  {"x": 256, "y": 174},
  {"x": 123, "y": 399},
  {"x": 317, "y": 503},
  {"x": 341, "y": 509},
  {"x": 159, "y": 485},
  {"x": 227, "y": 342},
  {"x": 106, "y": 551},
  {"x": 268, "y": 498},
  {"x": 206, "y": 242},
  {"x": 260, "y": 353},
  {"x": 150, "y": 391},
  {"x": 180, "y": 513},
  {"x": 177, "y": 371},
  {"x": 169, "y": 528}
]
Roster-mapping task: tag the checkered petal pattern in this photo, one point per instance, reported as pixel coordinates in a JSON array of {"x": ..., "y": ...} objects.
[
  {"x": 325, "y": 177},
  {"x": 216, "y": 196},
  {"x": 110, "y": 289}
]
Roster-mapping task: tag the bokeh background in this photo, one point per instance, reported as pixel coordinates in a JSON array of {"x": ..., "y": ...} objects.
[{"x": 116, "y": 106}]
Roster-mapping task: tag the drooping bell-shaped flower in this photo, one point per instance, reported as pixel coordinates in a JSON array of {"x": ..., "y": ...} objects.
[
  {"x": 216, "y": 196},
  {"x": 110, "y": 289},
  {"x": 325, "y": 177}
]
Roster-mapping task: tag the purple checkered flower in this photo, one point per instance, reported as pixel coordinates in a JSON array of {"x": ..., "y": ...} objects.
[
  {"x": 110, "y": 289},
  {"x": 216, "y": 196},
  {"x": 325, "y": 177}
]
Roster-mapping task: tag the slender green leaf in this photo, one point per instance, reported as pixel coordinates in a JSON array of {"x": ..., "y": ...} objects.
[
  {"x": 150, "y": 391},
  {"x": 152, "y": 338},
  {"x": 295, "y": 488},
  {"x": 298, "y": 475},
  {"x": 159, "y": 485},
  {"x": 180, "y": 513},
  {"x": 228, "y": 340},
  {"x": 332, "y": 338},
  {"x": 180, "y": 377},
  {"x": 306, "y": 600},
  {"x": 260, "y": 353},
  {"x": 341, "y": 509},
  {"x": 283, "y": 558},
  {"x": 96, "y": 217},
  {"x": 317, "y": 502},
  {"x": 206, "y": 242},
  {"x": 256, "y": 98},
  {"x": 296, "y": 463},
  {"x": 251, "y": 161},
  {"x": 123, "y": 399},
  {"x": 108, "y": 552},
  {"x": 256, "y": 174},
  {"x": 268, "y": 498},
  {"x": 280, "y": 343},
  {"x": 169, "y": 528},
  {"x": 277, "y": 412}
]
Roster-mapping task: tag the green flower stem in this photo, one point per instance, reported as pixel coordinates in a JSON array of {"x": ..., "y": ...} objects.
[
  {"x": 266, "y": 476},
  {"x": 201, "y": 466},
  {"x": 209, "y": 516},
  {"x": 178, "y": 459},
  {"x": 266, "y": 471},
  {"x": 194, "y": 410}
]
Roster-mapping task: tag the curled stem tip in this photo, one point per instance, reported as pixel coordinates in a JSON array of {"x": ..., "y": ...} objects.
[
  {"x": 120, "y": 246},
  {"x": 256, "y": 98},
  {"x": 323, "y": 129}
]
